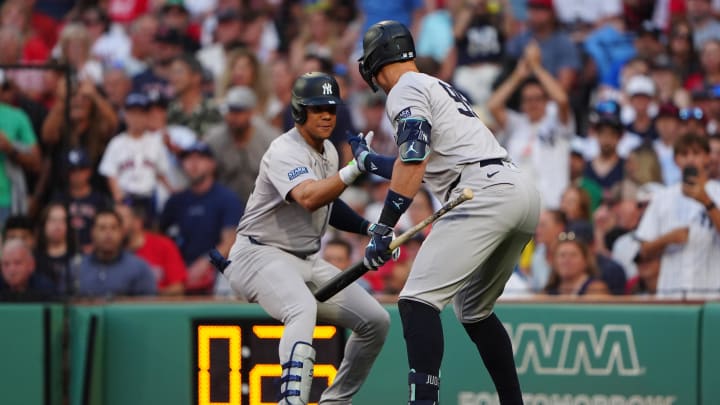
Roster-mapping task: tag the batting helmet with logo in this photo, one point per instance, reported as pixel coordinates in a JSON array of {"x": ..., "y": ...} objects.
[
  {"x": 313, "y": 88},
  {"x": 384, "y": 42}
]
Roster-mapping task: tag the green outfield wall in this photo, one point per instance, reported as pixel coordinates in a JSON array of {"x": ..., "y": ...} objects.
[{"x": 215, "y": 353}]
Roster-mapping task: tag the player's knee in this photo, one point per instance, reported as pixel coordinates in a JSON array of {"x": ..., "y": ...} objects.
[
  {"x": 379, "y": 323},
  {"x": 303, "y": 309}
]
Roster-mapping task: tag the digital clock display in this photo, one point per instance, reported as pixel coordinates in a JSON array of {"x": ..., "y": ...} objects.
[{"x": 236, "y": 361}]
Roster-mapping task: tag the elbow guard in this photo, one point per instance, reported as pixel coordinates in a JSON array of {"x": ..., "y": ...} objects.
[{"x": 413, "y": 139}]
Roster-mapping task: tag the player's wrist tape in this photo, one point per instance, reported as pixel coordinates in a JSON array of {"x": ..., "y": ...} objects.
[
  {"x": 395, "y": 206},
  {"x": 349, "y": 173}
]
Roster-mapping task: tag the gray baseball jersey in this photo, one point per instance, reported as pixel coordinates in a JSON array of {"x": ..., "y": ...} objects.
[
  {"x": 470, "y": 253},
  {"x": 457, "y": 138},
  {"x": 269, "y": 217}
]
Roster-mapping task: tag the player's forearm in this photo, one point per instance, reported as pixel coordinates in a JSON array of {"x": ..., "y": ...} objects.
[
  {"x": 407, "y": 177},
  {"x": 344, "y": 218},
  {"x": 380, "y": 165},
  {"x": 313, "y": 194}
]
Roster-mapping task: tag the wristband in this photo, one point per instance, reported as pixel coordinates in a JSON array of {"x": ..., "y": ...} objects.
[
  {"x": 349, "y": 173},
  {"x": 395, "y": 206},
  {"x": 710, "y": 206}
]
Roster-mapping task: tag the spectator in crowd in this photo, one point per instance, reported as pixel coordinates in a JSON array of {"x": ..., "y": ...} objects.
[
  {"x": 20, "y": 281},
  {"x": 142, "y": 44},
  {"x": 109, "y": 42},
  {"x": 714, "y": 168},
  {"x": 55, "y": 245},
  {"x": 20, "y": 227},
  {"x": 610, "y": 45},
  {"x": 538, "y": 138},
  {"x": 667, "y": 123},
  {"x": 646, "y": 280},
  {"x": 642, "y": 166},
  {"x": 704, "y": 25},
  {"x": 693, "y": 120},
  {"x": 229, "y": 28},
  {"x": 376, "y": 121},
  {"x": 156, "y": 77},
  {"x": 609, "y": 271},
  {"x": 117, "y": 84},
  {"x": 20, "y": 152},
  {"x": 74, "y": 49},
  {"x": 136, "y": 162},
  {"x": 641, "y": 91},
  {"x": 338, "y": 252},
  {"x": 282, "y": 74},
  {"x": 80, "y": 198},
  {"x": 109, "y": 270},
  {"x": 175, "y": 138},
  {"x": 681, "y": 51},
  {"x": 574, "y": 271},
  {"x": 577, "y": 172},
  {"x": 559, "y": 54},
  {"x": 682, "y": 226},
  {"x": 607, "y": 169},
  {"x": 479, "y": 48},
  {"x": 174, "y": 15},
  {"x": 580, "y": 17},
  {"x": 93, "y": 121},
  {"x": 551, "y": 224},
  {"x": 158, "y": 251},
  {"x": 240, "y": 142},
  {"x": 625, "y": 248},
  {"x": 190, "y": 107},
  {"x": 575, "y": 204},
  {"x": 201, "y": 218},
  {"x": 668, "y": 83},
  {"x": 245, "y": 69},
  {"x": 317, "y": 36}
]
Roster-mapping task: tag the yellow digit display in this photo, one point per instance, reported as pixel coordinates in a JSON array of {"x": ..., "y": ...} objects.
[
  {"x": 257, "y": 348},
  {"x": 233, "y": 335}
]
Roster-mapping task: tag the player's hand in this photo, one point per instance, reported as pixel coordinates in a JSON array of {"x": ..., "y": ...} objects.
[
  {"x": 360, "y": 147},
  {"x": 378, "y": 251}
]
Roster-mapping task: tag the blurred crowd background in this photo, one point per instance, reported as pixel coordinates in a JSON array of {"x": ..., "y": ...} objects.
[{"x": 119, "y": 180}]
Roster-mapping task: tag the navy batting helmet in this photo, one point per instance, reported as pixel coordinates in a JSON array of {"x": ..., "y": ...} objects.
[
  {"x": 385, "y": 42},
  {"x": 313, "y": 88}
]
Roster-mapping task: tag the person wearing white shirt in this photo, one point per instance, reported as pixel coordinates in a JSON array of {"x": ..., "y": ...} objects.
[
  {"x": 667, "y": 123},
  {"x": 538, "y": 138},
  {"x": 682, "y": 226},
  {"x": 135, "y": 161}
]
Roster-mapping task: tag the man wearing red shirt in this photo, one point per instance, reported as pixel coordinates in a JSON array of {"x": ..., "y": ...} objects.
[{"x": 157, "y": 250}]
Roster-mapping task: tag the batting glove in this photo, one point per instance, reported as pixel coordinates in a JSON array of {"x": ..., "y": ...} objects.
[
  {"x": 360, "y": 149},
  {"x": 378, "y": 251}
]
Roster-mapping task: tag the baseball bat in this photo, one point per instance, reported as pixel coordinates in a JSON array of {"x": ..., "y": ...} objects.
[{"x": 354, "y": 272}]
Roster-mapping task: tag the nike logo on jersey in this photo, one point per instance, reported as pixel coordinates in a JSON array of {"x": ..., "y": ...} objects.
[
  {"x": 373, "y": 167},
  {"x": 490, "y": 175}
]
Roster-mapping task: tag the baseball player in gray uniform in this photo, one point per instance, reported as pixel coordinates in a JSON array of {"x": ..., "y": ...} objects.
[
  {"x": 470, "y": 253},
  {"x": 275, "y": 260}
]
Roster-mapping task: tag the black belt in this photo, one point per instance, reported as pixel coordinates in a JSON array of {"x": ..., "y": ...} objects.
[
  {"x": 482, "y": 163},
  {"x": 302, "y": 256}
]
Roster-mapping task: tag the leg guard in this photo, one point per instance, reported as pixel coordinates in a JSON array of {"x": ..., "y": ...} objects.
[
  {"x": 424, "y": 388},
  {"x": 297, "y": 375}
]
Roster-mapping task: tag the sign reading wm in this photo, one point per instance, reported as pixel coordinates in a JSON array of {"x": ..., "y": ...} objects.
[{"x": 575, "y": 349}]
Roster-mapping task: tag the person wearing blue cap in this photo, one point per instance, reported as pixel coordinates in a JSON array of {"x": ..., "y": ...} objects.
[{"x": 135, "y": 161}]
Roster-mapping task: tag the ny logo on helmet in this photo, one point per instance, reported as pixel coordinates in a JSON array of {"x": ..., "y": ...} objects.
[{"x": 327, "y": 89}]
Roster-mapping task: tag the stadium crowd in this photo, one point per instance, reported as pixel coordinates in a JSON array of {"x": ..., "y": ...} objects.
[{"x": 120, "y": 180}]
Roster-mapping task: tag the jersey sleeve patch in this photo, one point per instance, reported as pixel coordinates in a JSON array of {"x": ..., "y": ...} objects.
[
  {"x": 297, "y": 172},
  {"x": 405, "y": 113}
]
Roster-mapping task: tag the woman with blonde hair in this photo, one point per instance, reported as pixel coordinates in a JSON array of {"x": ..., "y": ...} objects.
[
  {"x": 574, "y": 271},
  {"x": 74, "y": 47},
  {"x": 245, "y": 69},
  {"x": 641, "y": 166}
]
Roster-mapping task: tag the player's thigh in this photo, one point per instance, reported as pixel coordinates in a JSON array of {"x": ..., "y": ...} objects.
[
  {"x": 353, "y": 307},
  {"x": 272, "y": 278},
  {"x": 476, "y": 299},
  {"x": 462, "y": 241}
]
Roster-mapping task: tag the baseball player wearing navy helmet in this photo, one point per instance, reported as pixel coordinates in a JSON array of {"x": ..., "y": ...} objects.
[
  {"x": 470, "y": 253},
  {"x": 275, "y": 260}
]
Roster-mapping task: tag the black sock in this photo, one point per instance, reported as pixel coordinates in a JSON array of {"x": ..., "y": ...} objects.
[
  {"x": 424, "y": 341},
  {"x": 495, "y": 348}
]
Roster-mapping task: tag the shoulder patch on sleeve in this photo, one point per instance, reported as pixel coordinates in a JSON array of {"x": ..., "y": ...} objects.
[
  {"x": 296, "y": 172},
  {"x": 405, "y": 113}
]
